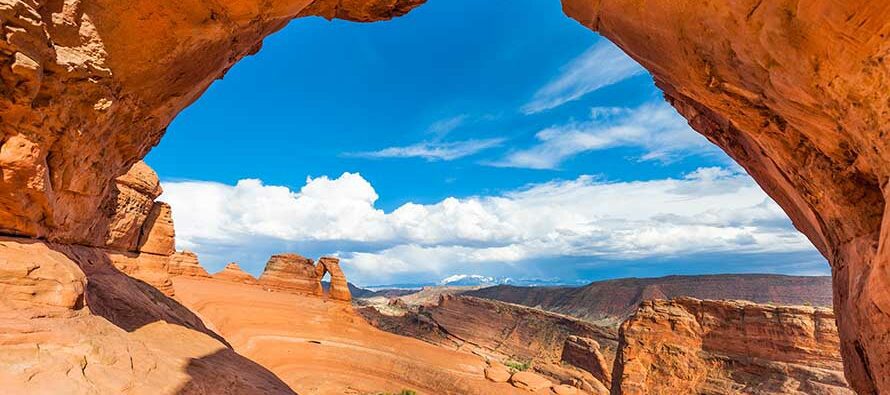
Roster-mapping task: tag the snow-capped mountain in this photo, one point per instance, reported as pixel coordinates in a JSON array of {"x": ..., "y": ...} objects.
[{"x": 472, "y": 280}]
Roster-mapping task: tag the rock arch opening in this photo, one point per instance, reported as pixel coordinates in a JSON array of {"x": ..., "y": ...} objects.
[{"x": 796, "y": 94}]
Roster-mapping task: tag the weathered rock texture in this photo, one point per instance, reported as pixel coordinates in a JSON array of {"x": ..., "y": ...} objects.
[
  {"x": 233, "y": 272},
  {"x": 71, "y": 321},
  {"x": 565, "y": 349},
  {"x": 339, "y": 289},
  {"x": 90, "y": 86},
  {"x": 291, "y": 273},
  {"x": 185, "y": 263},
  {"x": 799, "y": 95},
  {"x": 318, "y": 347},
  {"x": 693, "y": 346},
  {"x": 585, "y": 354}
]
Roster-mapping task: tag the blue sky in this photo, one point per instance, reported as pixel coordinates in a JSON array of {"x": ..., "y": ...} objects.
[{"x": 440, "y": 142}]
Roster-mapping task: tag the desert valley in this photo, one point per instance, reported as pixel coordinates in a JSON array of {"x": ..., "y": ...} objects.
[{"x": 102, "y": 296}]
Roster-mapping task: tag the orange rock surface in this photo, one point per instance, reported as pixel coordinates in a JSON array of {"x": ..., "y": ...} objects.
[
  {"x": 291, "y": 273},
  {"x": 562, "y": 348},
  {"x": 185, "y": 263},
  {"x": 339, "y": 286},
  {"x": 797, "y": 93},
  {"x": 321, "y": 347},
  {"x": 693, "y": 346},
  {"x": 233, "y": 272},
  {"x": 71, "y": 322}
]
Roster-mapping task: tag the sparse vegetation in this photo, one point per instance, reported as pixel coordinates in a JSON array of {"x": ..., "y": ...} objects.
[{"x": 517, "y": 366}]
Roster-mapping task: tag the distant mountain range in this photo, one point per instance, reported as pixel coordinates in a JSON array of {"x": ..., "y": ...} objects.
[
  {"x": 472, "y": 280},
  {"x": 613, "y": 300}
]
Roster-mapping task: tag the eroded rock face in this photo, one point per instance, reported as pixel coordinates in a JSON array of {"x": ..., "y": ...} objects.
[
  {"x": 693, "y": 346},
  {"x": 72, "y": 321},
  {"x": 185, "y": 263},
  {"x": 291, "y": 273},
  {"x": 233, "y": 272},
  {"x": 339, "y": 286},
  {"x": 502, "y": 332},
  {"x": 799, "y": 95},
  {"x": 585, "y": 354},
  {"x": 90, "y": 86}
]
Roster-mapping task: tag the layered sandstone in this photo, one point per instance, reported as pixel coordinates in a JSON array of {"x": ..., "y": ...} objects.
[
  {"x": 318, "y": 347},
  {"x": 233, "y": 272},
  {"x": 339, "y": 289},
  {"x": 799, "y": 95},
  {"x": 90, "y": 86},
  {"x": 567, "y": 350},
  {"x": 185, "y": 263},
  {"x": 71, "y": 321},
  {"x": 613, "y": 301},
  {"x": 291, "y": 273},
  {"x": 692, "y": 346}
]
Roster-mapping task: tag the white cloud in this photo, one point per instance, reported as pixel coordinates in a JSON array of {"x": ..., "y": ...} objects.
[
  {"x": 654, "y": 127},
  {"x": 442, "y": 127},
  {"x": 433, "y": 151},
  {"x": 599, "y": 66},
  {"x": 712, "y": 210}
]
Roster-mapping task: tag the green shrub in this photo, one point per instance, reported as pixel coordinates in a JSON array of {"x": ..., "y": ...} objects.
[{"x": 516, "y": 366}]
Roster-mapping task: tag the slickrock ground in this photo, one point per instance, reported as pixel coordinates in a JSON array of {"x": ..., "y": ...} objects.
[
  {"x": 720, "y": 347},
  {"x": 798, "y": 93},
  {"x": 506, "y": 333},
  {"x": 320, "y": 346},
  {"x": 70, "y": 322}
]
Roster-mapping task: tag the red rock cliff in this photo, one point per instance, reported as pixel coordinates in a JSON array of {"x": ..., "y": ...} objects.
[
  {"x": 693, "y": 346},
  {"x": 796, "y": 92}
]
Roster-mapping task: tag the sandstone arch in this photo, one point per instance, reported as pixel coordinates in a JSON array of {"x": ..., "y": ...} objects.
[
  {"x": 339, "y": 287},
  {"x": 797, "y": 93}
]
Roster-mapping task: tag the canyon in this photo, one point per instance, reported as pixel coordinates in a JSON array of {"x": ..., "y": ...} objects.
[
  {"x": 682, "y": 345},
  {"x": 797, "y": 94},
  {"x": 613, "y": 301}
]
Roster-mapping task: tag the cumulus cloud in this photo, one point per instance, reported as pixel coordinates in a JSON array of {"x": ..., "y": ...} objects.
[
  {"x": 601, "y": 65},
  {"x": 712, "y": 210},
  {"x": 655, "y": 127},
  {"x": 433, "y": 151}
]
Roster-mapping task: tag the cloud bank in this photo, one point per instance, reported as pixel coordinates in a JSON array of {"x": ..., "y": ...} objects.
[{"x": 711, "y": 210}]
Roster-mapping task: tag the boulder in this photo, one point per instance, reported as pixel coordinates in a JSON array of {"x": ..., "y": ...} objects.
[
  {"x": 233, "y": 272},
  {"x": 529, "y": 381},
  {"x": 564, "y": 389},
  {"x": 497, "y": 372}
]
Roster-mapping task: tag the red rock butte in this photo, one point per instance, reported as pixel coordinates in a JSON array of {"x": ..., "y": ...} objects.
[{"x": 797, "y": 93}]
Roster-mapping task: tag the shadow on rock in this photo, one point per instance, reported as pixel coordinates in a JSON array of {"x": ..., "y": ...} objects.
[
  {"x": 227, "y": 370},
  {"x": 125, "y": 301}
]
